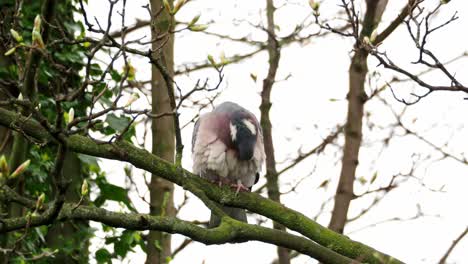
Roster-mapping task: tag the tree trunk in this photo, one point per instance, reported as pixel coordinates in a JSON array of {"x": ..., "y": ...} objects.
[
  {"x": 353, "y": 128},
  {"x": 12, "y": 144},
  {"x": 6, "y": 137},
  {"x": 274, "y": 53},
  {"x": 67, "y": 234},
  {"x": 161, "y": 191}
]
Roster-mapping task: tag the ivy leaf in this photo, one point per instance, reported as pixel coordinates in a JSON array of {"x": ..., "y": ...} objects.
[
  {"x": 115, "y": 75},
  {"x": 95, "y": 70},
  {"x": 117, "y": 123},
  {"x": 130, "y": 133},
  {"x": 90, "y": 160},
  {"x": 105, "y": 100},
  {"x": 121, "y": 249},
  {"x": 125, "y": 243},
  {"x": 112, "y": 192},
  {"x": 103, "y": 256}
]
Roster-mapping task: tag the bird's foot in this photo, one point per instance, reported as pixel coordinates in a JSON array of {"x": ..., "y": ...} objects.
[{"x": 240, "y": 187}]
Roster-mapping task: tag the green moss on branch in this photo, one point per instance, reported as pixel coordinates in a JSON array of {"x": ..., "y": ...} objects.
[{"x": 142, "y": 159}]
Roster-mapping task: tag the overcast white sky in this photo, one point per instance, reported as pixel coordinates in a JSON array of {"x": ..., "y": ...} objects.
[{"x": 310, "y": 104}]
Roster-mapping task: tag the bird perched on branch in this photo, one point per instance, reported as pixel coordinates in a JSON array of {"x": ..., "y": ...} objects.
[{"x": 227, "y": 148}]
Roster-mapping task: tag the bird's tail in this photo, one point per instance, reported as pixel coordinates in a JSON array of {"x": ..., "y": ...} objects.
[{"x": 236, "y": 213}]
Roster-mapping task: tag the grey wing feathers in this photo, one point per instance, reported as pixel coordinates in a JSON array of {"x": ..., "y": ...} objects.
[{"x": 195, "y": 132}]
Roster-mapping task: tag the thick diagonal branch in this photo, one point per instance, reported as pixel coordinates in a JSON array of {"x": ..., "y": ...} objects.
[
  {"x": 142, "y": 159},
  {"x": 228, "y": 232}
]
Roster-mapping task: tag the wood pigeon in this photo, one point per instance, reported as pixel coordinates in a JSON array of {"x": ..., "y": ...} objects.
[{"x": 227, "y": 148}]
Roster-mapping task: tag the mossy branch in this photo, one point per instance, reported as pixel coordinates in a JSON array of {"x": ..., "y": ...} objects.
[
  {"x": 142, "y": 159},
  {"x": 230, "y": 231}
]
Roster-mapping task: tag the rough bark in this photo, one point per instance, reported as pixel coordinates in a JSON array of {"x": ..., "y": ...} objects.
[
  {"x": 6, "y": 141},
  {"x": 274, "y": 53},
  {"x": 62, "y": 233},
  {"x": 161, "y": 190},
  {"x": 353, "y": 128},
  {"x": 14, "y": 152}
]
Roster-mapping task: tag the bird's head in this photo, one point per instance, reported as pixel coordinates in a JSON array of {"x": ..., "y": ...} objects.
[{"x": 243, "y": 131}]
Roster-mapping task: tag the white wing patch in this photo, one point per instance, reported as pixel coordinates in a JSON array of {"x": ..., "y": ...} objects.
[
  {"x": 250, "y": 126},
  {"x": 233, "y": 131}
]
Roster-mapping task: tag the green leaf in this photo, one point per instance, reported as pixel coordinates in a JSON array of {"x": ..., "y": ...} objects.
[
  {"x": 95, "y": 70},
  {"x": 253, "y": 76},
  {"x": 106, "y": 101},
  {"x": 362, "y": 180},
  {"x": 103, "y": 256},
  {"x": 127, "y": 237},
  {"x": 108, "y": 130},
  {"x": 130, "y": 133},
  {"x": 121, "y": 249},
  {"x": 115, "y": 75},
  {"x": 90, "y": 160},
  {"x": 117, "y": 123},
  {"x": 125, "y": 243},
  {"x": 374, "y": 177},
  {"x": 111, "y": 192},
  {"x": 82, "y": 30},
  {"x": 157, "y": 245}
]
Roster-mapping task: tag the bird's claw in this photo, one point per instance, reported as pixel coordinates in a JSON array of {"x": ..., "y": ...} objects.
[{"x": 239, "y": 186}]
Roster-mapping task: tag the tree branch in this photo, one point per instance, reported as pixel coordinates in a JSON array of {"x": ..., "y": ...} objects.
[
  {"x": 228, "y": 232},
  {"x": 142, "y": 159},
  {"x": 453, "y": 245}
]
